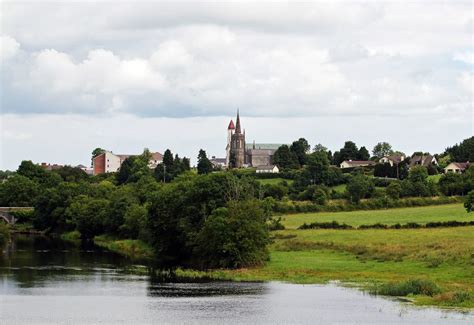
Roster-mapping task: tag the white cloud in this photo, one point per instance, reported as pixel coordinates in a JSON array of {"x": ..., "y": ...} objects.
[
  {"x": 9, "y": 47},
  {"x": 465, "y": 57}
]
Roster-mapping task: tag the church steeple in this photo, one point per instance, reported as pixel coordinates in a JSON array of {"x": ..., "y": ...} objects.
[{"x": 237, "y": 127}]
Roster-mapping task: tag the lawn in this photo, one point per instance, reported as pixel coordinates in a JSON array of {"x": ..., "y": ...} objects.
[
  {"x": 420, "y": 215},
  {"x": 273, "y": 181},
  {"x": 435, "y": 178}
]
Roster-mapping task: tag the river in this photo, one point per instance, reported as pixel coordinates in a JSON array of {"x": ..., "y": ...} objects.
[{"x": 49, "y": 281}]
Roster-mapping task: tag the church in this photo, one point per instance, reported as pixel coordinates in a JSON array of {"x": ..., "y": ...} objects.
[{"x": 240, "y": 154}]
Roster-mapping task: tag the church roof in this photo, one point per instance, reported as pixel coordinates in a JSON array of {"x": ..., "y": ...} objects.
[
  {"x": 231, "y": 125},
  {"x": 263, "y": 146}
]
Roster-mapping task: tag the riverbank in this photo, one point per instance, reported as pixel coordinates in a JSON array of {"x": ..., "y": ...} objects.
[
  {"x": 372, "y": 259},
  {"x": 133, "y": 249},
  {"x": 401, "y": 262}
]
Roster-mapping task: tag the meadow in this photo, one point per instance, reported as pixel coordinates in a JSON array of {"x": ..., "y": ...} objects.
[
  {"x": 443, "y": 257},
  {"x": 420, "y": 215}
]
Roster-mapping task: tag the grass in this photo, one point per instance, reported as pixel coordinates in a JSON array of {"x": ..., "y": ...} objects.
[
  {"x": 432, "y": 266},
  {"x": 339, "y": 188},
  {"x": 435, "y": 178},
  {"x": 71, "y": 236},
  {"x": 420, "y": 215},
  {"x": 132, "y": 248},
  {"x": 274, "y": 181}
]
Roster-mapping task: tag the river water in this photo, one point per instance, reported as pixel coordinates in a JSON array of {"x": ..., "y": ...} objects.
[{"x": 48, "y": 281}]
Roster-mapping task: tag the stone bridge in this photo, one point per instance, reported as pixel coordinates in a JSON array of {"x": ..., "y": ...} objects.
[{"x": 8, "y": 217}]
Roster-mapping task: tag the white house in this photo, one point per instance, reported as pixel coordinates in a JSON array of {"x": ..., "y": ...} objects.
[
  {"x": 457, "y": 167},
  {"x": 356, "y": 163},
  {"x": 108, "y": 162},
  {"x": 273, "y": 169}
]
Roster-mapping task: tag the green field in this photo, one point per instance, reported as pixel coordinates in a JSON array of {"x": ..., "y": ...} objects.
[
  {"x": 273, "y": 181},
  {"x": 420, "y": 215},
  {"x": 444, "y": 256}
]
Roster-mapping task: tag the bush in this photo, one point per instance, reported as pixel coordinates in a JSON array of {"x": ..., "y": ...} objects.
[
  {"x": 233, "y": 237},
  {"x": 414, "y": 287},
  {"x": 325, "y": 225},
  {"x": 469, "y": 202},
  {"x": 275, "y": 224}
]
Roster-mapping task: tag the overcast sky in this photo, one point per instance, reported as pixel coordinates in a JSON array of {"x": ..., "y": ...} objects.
[{"x": 125, "y": 76}]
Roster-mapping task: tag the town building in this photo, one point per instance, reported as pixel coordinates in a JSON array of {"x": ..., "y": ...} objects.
[
  {"x": 272, "y": 169},
  {"x": 356, "y": 163},
  {"x": 108, "y": 162},
  {"x": 423, "y": 160},
  {"x": 393, "y": 160},
  {"x": 457, "y": 167},
  {"x": 240, "y": 154}
]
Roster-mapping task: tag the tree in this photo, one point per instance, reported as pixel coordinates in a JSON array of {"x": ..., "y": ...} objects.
[
  {"x": 393, "y": 190},
  {"x": 88, "y": 215},
  {"x": 234, "y": 236},
  {"x": 284, "y": 158},
  {"x": 18, "y": 191},
  {"x": 317, "y": 166},
  {"x": 469, "y": 201},
  {"x": 319, "y": 147},
  {"x": 204, "y": 165},
  {"x": 358, "y": 188},
  {"x": 382, "y": 149},
  {"x": 134, "y": 167},
  {"x": 135, "y": 220},
  {"x": 300, "y": 148},
  {"x": 462, "y": 152},
  {"x": 32, "y": 171},
  {"x": 71, "y": 174},
  {"x": 418, "y": 174},
  {"x": 348, "y": 152},
  {"x": 363, "y": 154}
]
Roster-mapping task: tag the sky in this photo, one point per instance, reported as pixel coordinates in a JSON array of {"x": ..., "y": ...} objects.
[{"x": 131, "y": 75}]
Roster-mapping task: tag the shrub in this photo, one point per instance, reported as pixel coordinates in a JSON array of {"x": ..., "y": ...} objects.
[
  {"x": 325, "y": 225},
  {"x": 275, "y": 224},
  {"x": 415, "y": 287}
]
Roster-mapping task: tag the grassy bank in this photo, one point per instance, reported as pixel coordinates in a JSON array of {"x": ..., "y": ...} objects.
[
  {"x": 379, "y": 260},
  {"x": 132, "y": 248}
]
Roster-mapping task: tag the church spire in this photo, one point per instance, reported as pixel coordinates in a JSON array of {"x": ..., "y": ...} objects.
[{"x": 237, "y": 127}]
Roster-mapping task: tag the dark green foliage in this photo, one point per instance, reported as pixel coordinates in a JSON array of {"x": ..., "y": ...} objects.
[
  {"x": 299, "y": 148},
  {"x": 451, "y": 184},
  {"x": 134, "y": 167},
  {"x": 28, "y": 169},
  {"x": 88, "y": 215},
  {"x": 276, "y": 191},
  {"x": 382, "y": 149},
  {"x": 135, "y": 222},
  {"x": 204, "y": 165},
  {"x": 462, "y": 152},
  {"x": 179, "y": 210},
  {"x": 414, "y": 287},
  {"x": 363, "y": 154},
  {"x": 232, "y": 237},
  {"x": 51, "y": 205},
  {"x": 285, "y": 159},
  {"x": 18, "y": 191},
  {"x": 469, "y": 202},
  {"x": 325, "y": 225},
  {"x": 171, "y": 167},
  {"x": 394, "y": 190},
  {"x": 359, "y": 187},
  {"x": 348, "y": 152},
  {"x": 71, "y": 174}
]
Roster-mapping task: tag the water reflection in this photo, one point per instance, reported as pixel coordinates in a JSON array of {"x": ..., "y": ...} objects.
[{"x": 48, "y": 281}]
